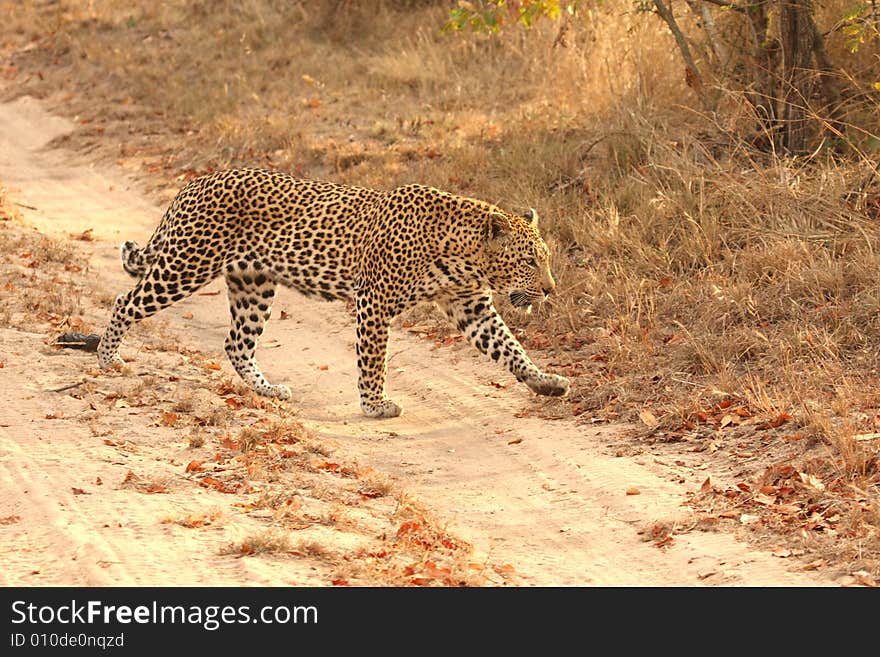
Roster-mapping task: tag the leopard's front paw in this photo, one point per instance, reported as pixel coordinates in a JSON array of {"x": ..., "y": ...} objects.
[
  {"x": 275, "y": 392},
  {"x": 110, "y": 362},
  {"x": 385, "y": 408},
  {"x": 280, "y": 392},
  {"x": 551, "y": 385}
]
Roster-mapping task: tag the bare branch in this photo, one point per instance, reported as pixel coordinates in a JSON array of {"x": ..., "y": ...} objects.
[
  {"x": 701, "y": 10},
  {"x": 693, "y": 74}
]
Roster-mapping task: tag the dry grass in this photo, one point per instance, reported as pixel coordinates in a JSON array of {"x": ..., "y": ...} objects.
[
  {"x": 270, "y": 541},
  {"x": 35, "y": 276},
  {"x": 693, "y": 270}
]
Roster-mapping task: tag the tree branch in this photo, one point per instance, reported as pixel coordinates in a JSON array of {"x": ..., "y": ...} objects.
[
  {"x": 693, "y": 74},
  {"x": 701, "y": 10}
]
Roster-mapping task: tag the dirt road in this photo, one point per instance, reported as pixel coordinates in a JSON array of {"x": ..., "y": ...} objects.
[{"x": 543, "y": 496}]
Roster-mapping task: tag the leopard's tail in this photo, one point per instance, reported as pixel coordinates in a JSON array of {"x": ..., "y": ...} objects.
[{"x": 135, "y": 260}]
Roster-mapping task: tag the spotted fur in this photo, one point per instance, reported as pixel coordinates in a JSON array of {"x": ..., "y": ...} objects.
[{"x": 385, "y": 250}]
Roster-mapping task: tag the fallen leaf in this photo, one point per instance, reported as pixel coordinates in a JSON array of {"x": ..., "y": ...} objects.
[
  {"x": 781, "y": 552},
  {"x": 408, "y": 527},
  {"x": 168, "y": 419},
  {"x": 98, "y": 481},
  {"x": 55, "y": 416},
  {"x": 194, "y": 466},
  {"x": 816, "y": 565},
  {"x": 216, "y": 484},
  {"x": 284, "y": 315},
  {"x": 187, "y": 315},
  {"x": 156, "y": 488},
  {"x": 234, "y": 403},
  {"x": 433, "y": 570},
  {"x": 340, "y": 582},
  {"x": 323, "y": 368},
  {"x": 228, "y": 442},
  {"x": 8, "y": 520},
  {"x": 633, "y": 491},
  {"x": 665, "y": 541},
  {"x": 729, "y": 419},
  {"x": 811, "y": 480},
  {"x": 212, "y": 366},
  {"x": 787, "y": 509},
  {"x": 778, "y": 421},
  {"x": 707, "y": 485},
  {"x": 79, "y": 491},
  {"x": 648, "y": 418},
  {"x": 515, "y": 441},
  {"x": 767, "y": 500},
  {"x": 85, "y": 236}
]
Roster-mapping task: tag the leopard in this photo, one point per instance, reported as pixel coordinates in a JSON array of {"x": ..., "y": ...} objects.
[{"x": 382, "y": 252}]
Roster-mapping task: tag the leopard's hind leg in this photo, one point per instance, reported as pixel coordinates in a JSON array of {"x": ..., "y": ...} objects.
[
  {"x": 159, "y": 287},
  {"x": 251, "y": 290}
]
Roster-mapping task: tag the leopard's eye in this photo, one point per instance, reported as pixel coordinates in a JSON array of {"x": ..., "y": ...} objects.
[{"x": 531, "y": 262}]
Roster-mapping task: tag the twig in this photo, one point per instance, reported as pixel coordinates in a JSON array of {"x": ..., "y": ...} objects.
[{"x": 67, "y": 387}]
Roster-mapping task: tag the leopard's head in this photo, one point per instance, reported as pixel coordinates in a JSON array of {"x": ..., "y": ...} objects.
[{"x": 518, "y": 259}]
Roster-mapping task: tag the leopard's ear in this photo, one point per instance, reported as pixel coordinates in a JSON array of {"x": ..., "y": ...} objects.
[
  {"x": 531, "y": 215},
  {"x": 498, "y": 226}
]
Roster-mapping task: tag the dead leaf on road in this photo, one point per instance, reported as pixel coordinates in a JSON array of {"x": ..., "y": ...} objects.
[
  {"x": 811, "y": 480},
  {"x": 767, "y": 500},
  {"x": 648, "y": 419}
]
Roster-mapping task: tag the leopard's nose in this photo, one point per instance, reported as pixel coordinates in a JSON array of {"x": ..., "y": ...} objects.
[{"x": 548, "y": 289}]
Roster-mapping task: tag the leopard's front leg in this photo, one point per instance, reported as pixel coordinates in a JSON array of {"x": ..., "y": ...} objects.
[
  {"x": 372, "y": 357},
  {"x": 480, "y": 323}
]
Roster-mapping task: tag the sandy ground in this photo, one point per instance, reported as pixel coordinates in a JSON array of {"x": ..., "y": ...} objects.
[{"x": 545, "y": 498}]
